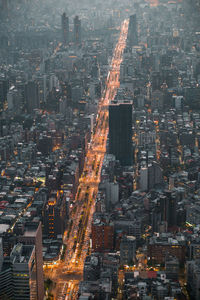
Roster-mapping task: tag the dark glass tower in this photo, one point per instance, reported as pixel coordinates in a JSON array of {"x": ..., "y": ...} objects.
[
  {"x": 65, "y": 28},
  {"x": 77, "y": 30},
  {"x": 120, "y": 131},
  {"x": 132, "y": 31}
]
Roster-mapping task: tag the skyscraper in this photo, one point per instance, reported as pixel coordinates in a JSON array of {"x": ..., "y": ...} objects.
[
  {"x": 33, "y": 236},
  {"x": 150, "y": 176},
  {"x": 4, "y": 87},
  {"x": 120, "y": 131},
  {"x": 31, "y": 96},
  {"x": 18, "y": 274},
  {"x": 65, "y": 28},
  {"x": 77, "y": 30},
  {"x": 55, "y": 215},
  {"x": 132, "y": 31},
  {"x": 24, "y": 272}
]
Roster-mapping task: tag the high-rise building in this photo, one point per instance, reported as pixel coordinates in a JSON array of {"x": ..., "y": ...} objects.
[
  {"x": 102, "y": 234},
  {"x": 120, "y": 131},
  {"x": 31, "y": 96},
  {"x": 171, "y": 208},
  {"x": 150, "y": 176},
  {"x": 18, "y": 274},
  {"x": 132, "y": 31},
  {"x": 33, "y": 236},
  {"x": 193, "y": 278},
  {"x": 77, "y": 30},
  {"x": 6, "y": 287},
  {"x": 24, "y": 272},
  {"x": 112, "y": 194},
  {"x": 127, "y": 249},
  {"x": 14, "y": 99},
  {"x": 4, "y": 87},
  {"x": 155, "y": 174},
  {"x": 65, "y": 28},
  {"x": 144, "y": 179},
  {"x": 55, "y": 215}
]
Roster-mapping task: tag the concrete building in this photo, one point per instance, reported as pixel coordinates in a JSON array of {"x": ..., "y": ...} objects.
[
  {"x": 112, "y": 194},
  {"x": 91, "y": 270},
  {"x": 55, "y": 215},
  {"x": 127, "y": 249},
  {"x": 150, "y": 176},
  {"x": 33, "y": 236},
  {"x": 144, "y": 179},
  {"x": 166, "y": 244},
  {"x": 14, "y": 99},
  {"x": 20, "y": 276},
  {"x": 193, "y": 278},
  {"x": 102, "y": 234}
]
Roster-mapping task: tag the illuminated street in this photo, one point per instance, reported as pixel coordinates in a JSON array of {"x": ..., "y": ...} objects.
[{"x": 68, "y": 273}]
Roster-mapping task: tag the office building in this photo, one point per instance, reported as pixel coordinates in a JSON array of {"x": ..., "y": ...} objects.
[
  {"x": 102, "y": 234},
  {"x": 92, "y": 268},
  {"x": 127, "y": 249},
  {"x": 77, "y": 30},
  {"x": 65, "y": 28},
  {"x": 14, "y": 99},
  {"x": 24, "y": 272},
  {"x": 150, "y": 176},
  {"x": 172, "y": 267},
  {"x": 18, "y": 278},
  {"x": 193, "y": 278},
  {"x": 120, "y": 131},
  {"x": 155, "y": 174},
  {"x": 112, "y": 194},
  {"x": 55, "y": 215},
  {"x": 31, "y": 96},
  {"x": 33, "y": 236},
  {"x": 166, "y": 244},
  {"x": 6, "y": 287},
  {"x": 4, "y": 87},
  {"x": 132, "y": 31},
  {"x": 144, "y": 179}
]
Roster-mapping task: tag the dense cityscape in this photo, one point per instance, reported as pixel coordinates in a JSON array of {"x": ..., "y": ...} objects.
[{"x": 99, "y": 149}]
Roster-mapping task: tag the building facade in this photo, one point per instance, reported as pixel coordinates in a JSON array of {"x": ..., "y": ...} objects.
[{"x": 120, "y": 131}]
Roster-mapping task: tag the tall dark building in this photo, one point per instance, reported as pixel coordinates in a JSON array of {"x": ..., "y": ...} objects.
[
  {"x": 77, "y": 30},
  {"x": 31, "y": 96},
  {"x": 120, "y": 131},
  {"x": 65, "y": 28},
  {"x": 4, "y": 87},
  {"x": 132, "y": 31},
  {"x": 33, "y": 236}
]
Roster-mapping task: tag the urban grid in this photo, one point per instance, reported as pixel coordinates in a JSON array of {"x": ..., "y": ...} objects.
[{"x": 99, "y": 149}]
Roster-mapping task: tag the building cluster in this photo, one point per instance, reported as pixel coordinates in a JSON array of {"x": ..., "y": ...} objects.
[
  {"x": 51, "y": 80},
  {"x": 145, "y": 231},
  {"x": 147, "y": 207}
]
